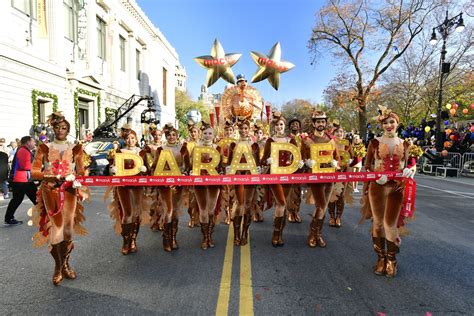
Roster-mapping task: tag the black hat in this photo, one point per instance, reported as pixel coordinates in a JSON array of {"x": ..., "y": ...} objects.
[
  {"x": 241, "y": 77},
  {"x": 294, "y": 119}
]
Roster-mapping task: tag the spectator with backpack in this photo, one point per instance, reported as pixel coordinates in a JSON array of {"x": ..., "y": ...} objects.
[{"x": 20, "y": 179}]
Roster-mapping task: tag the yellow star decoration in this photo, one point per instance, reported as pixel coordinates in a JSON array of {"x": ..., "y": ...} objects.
[
  {"x": 218, "y": 64},
  {"x": 270, "y": 67}
]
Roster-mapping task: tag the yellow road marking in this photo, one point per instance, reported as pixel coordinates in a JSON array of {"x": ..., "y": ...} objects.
[
  {"x": 246, "y": 294},
  {"x": 224, "y": 289}
]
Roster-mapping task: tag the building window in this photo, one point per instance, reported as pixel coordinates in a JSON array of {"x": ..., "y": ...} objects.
[
  {"x": 71, "y": 8},
  {"x": 45, "y": 108},
  {"x": 28, "y": 7},
  {"x": 137, "y": 63},
  {"x": 83, "y": 117},
  {"x": 122, "y": 53},
  {"x": 100, "y": 38},
  {"x": 165, "y": 76}
]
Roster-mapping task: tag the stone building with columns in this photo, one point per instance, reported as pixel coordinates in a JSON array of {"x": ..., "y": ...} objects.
[{"x": 82, "y": 57}]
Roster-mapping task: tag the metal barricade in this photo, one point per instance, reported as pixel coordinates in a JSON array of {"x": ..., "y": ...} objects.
[
  {"x": 467, "y": 164},
  {"x": 453, "y": 160}
]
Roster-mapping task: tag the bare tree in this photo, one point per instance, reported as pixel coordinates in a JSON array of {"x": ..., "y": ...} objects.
[
  {"x": 411, "y": 85},
  {"x": 368, "y": 36}
]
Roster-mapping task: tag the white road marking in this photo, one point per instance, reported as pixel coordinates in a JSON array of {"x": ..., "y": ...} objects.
[{"x": 461, "y": 194}]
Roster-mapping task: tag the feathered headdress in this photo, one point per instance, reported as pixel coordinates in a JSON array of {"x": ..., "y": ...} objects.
[
  {"x": 242, "y": 120},
  {"x": 228, "y": 123},
  {"x": 168, "y": 128},
  {"x": 277, "y": 116},
  {"x": 258, "y": 126},
  {"x": 385, "y": 113},
  {"x": 56, "y": 118},
  {"x": 126, "y": 129},
  {"x": 192, "y": 125},
  {"x": 205, "y": 125}
]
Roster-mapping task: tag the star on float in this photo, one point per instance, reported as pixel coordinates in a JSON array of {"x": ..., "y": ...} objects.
[
  {"x": 218, "y": 64},
  {"x": 270, "y": 67}
]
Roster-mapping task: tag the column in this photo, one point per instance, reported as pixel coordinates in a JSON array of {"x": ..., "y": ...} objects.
[
  {"x": 55, "y": 25},
  {"x": 91, "y": 41},
  {"x": 132, "y": 75}
]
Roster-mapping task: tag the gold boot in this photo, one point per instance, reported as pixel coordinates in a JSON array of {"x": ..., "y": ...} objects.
[
  {"x": 297, "y": 215},
  {"x": 227, "y": 216},
  {"x": 379, "y": 247},
  {"x": 135, "y": 230},
  {"x": 210, "y": 241},
  {"x": 339, "y": 211},
  {"x": 291, "y": 217},
  {"x": 58, "y": 263},
  {"x": 167, "y": 237},
  {"x": 237, "y": 220},
  {"x": 391, "y": 263},
  {"x": 315, "y": 237},
  {"x": 191, "y": 217},
  {"x": 127, "y": 230},
  {"x": 332, "y": 212},
  {"x": 205, "y": 233},
  {"x": 278, "y": 224},
  {"x": 245, "y": 230},
  {"x": 281, "y": 243},
  {"x": 174, "y": 231},
  {"x": 66, "y": 248}
]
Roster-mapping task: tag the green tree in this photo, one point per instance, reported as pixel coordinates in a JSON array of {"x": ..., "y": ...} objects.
[{"x": 184, "y": 104}]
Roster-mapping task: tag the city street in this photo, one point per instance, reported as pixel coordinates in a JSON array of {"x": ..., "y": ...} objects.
[{"x": 435, "y": 266}]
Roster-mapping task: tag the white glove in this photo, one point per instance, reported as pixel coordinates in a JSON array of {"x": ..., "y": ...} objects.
[
  {"x": 191, "y": 172},
  {"x": 259, "y": 170},
  {"x": 70, "y": 178},
  {"x": 350, "y": 161},
  {"x": 300, "y": 164},
  {"x": 113, "y": 170},
  {"x": 143, "y": 169},
  {"x": 227, "y": 170},
  {"x": 382, "y": 180},
  {"x": 269, "y": 161},
  {"x": 310, "y": 163},
  {"x": 76, "y": 184},
  {"x": 334, "y": 163},
  {"x": 408, "y": 173}
]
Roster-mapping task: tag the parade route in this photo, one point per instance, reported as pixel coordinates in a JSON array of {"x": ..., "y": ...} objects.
[{"x": 435, "y": 267}]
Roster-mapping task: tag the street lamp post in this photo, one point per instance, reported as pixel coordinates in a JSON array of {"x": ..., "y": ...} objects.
[{"x": 444, "y": 29}]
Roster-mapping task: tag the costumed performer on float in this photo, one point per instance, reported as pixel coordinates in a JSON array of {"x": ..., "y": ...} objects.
[
  {"x": 59, "y": 211},
  {"x": 321, "y": 192},
  {"x": 172, "y": 196},
  {"x": 279, "y": 191},
  {"x": 383, "y": 199},
  {"x": 129, "y": 206},
  {"x": 244, "y": 193},
  {"x": 207, "y": 196}
]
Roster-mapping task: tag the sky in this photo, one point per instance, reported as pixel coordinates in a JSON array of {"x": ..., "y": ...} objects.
[{"x": 243, "y": 26}]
